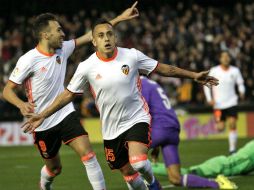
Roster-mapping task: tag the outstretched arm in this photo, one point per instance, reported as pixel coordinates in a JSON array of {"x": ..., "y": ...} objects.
[
  {"x": 35, "y": 120},
  {"x": 128, "y": 14},
  {"x": 173, "y": 71}
]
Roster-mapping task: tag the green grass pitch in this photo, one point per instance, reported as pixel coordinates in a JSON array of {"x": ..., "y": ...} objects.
[{"x": 20, "y": 166}]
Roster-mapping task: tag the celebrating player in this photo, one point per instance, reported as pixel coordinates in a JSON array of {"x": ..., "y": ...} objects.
[
  {"x": 113, "y": 75},
  {"x": 165, "y": 134},
  {"x": 42, "y": 71},
  {"x": 223, "y": 97}
]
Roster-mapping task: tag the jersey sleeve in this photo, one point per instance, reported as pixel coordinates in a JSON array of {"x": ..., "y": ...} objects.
[
  {"x": 78, "y": 81},
  {"x": 145, "y": 64},
  {"x": 68, "y": 47},
  {"x": 21, "y": 71},
  {"x": 240, "y": 82}
]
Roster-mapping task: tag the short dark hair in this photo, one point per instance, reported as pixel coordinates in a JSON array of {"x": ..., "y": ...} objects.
[
  {"x": 41, "y": 22},
  {"x": 100, "y": 21}
]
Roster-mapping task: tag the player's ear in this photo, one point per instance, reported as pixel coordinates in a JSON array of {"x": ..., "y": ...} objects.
[
  {"x": 94, "y": 42},
  {"x": 44, "y": 35}
]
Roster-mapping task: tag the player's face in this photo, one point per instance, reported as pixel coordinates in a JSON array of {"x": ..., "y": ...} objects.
[
  {"x": 55, "y": 35},
  {"x": 224, "y": 59},
  {"x": 104, "y": 38}
]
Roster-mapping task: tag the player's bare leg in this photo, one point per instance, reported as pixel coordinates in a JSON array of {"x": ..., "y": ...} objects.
[
  {"x": 220, "y": 126},
  {"x": 139, "y": 161},
  {"x": 49, "y": 171},
  {"x": 188, "y": 180},
  {"x": 132, "y": 178},
  {"x": 232, "y": 138},
  {"x": 83, "y": 147}
]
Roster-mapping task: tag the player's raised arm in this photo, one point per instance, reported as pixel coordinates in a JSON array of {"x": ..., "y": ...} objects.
[
  {"x": 173, "y": 71},
  {"x": 35, "y": 120},
  {"x": 128, "y": 14}
]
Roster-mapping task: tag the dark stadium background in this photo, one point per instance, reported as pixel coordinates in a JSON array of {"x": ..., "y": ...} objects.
[{"x": 20, "y": 165}]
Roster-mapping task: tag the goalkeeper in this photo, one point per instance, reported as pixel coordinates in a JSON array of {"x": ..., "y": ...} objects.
[{"x": 240, "y": 163}]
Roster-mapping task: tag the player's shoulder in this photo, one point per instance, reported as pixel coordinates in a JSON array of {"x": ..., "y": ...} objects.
[
  {"x": 216, "y": 67},
  {"x": 89, "y": 61},
  {"x": 29, "y": 57},
  {"x": 122, "y": 50},
  {"x": 68, "y": 43},
  {"x": 234, "y": 68}
]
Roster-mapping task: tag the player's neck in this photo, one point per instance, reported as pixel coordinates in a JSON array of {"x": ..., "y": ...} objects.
[
  {"x": 225, "y": 67},
  {"x": 45, "y": 49},
  {"x": 107, "y": 56}
]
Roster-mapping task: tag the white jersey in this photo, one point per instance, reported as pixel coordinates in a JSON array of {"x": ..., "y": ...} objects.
[
  {"x": 116, "y": 87},
  {"x": 224, "y": 94},
  {"x": 43, "y": 77}
]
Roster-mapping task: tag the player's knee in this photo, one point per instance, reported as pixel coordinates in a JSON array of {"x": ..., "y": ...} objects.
[
  {"x": 174, "y": 178},
  {"x": 89, "y": 156},
  {"x": 127, "y": 170},
  {"x": 139, "y": 163},
  {"x": 56, "y": 170}
]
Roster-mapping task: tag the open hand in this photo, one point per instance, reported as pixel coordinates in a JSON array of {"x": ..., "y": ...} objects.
[
  {"x": 130, "y": 13},
  {"x": 34, "y": 121},
  {"x": 205, "y": 79}
]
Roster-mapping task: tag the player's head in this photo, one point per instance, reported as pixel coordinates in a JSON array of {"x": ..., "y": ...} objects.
[
  {"x": 47, "y": 28},
  {"x": 225, "y": 58},
  {"x": 104, "y": 38}
]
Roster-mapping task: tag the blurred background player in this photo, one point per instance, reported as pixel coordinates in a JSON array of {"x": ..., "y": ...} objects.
[
  {"x": 113, "y": 75},
  {"x": 224, "y": 98},
  {"x": 240, "y": 163},
  {"x": 42, "y": 71},
  {"x": 165, "y": 134}
]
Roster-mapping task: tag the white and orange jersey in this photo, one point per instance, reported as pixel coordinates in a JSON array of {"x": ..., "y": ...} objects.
[
  {"x": 224, "y": 95},
  {"x": 43, "y": 78},
  {"x": 116, "y": 87}
]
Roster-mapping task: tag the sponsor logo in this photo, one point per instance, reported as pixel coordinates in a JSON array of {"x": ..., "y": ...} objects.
[{"x": 125, "y": 69}]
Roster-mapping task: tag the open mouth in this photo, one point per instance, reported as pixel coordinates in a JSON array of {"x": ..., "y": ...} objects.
[{"x": 107, "y": 46}]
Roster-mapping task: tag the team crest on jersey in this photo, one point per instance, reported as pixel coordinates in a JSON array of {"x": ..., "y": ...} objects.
[
  {"x": 58, "y": 59},
  {"x": 125, "y": 69}
]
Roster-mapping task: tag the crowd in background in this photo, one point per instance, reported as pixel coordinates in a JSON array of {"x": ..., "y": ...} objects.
[{"x": 189, "y": 37}]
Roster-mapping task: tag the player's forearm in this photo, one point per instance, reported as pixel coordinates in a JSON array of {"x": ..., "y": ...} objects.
[
  {"x": 61, "y": 100},
  {"x": 84, "y": 39},
  {"x": 172, "y": 71},
  {"x": 241, "y": 89},
  {"x": 10, "y": 96}
]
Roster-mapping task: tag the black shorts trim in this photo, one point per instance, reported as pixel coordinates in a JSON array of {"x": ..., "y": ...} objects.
[
  {"x": 50, "y": 141},
  {"x": 116, "y": 150},
  {"x": 223, "y": 114}
]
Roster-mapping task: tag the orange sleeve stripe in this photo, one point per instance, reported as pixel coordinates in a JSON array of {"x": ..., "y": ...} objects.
[
  {"x": 88, "y": 156},
  {"x": 76, "y": 93},
  {"x": 135, "y": 159},
  {"x": 154, "y": 68},
  {"x": 75, "y": 42},
  {"x": 131, "y": 177},
  {"x": 14, "y": 82}
]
